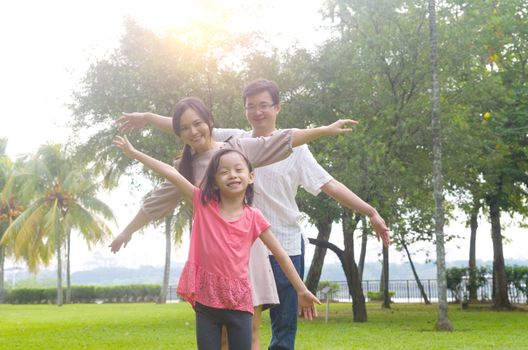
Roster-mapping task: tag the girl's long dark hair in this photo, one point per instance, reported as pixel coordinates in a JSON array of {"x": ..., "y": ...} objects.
[
  {"x": 203, "y": 112},
  {"x": 208, "y": 186}
]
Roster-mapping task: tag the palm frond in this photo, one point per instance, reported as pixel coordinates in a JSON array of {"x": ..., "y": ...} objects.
[
  {"x": 181, "y": 223},
  {"x": 27, "y": 238},
  {"x": 96, "y": 205},
  {"x": 92, "y": 228},
  {"x": 28, "y": 218}
]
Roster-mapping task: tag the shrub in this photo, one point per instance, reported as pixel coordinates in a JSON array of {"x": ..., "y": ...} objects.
[
  {"x": 455, "y": 276},
  {"x": 86, "y": 294},
  {"x": 379, "y": 295},
  {"x": 83, "y": 294},
  {"x": 26, "y": 296},
  {"x": 334, "y": 289},
  {"x": 517, "y": 277}
]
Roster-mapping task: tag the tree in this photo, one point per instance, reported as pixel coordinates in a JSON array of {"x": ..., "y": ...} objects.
[
  {"x": 374, "y": 67},
  {"x": 489, "y": 92},
  {"x": 443, "y": 323},
  {"x": 314, "y": 273},
  {"x": 349, "y": 223},
  {"x": 151, "y": 72},
  {"x": 322, "y": 212},
  {"x": 404, "y": 235},
  {"x": 10, "y": 206},
  {"x": 62, "y": 198}
]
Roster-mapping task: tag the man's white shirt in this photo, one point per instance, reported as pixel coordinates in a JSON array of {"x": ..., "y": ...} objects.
[{"x": 276, "y": 186}]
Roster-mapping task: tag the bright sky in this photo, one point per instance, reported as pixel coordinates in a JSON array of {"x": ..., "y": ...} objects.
[{"x": 48, "y": 45}]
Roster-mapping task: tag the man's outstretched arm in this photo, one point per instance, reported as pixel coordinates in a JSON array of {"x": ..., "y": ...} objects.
[{"x": 349, "y": 199}]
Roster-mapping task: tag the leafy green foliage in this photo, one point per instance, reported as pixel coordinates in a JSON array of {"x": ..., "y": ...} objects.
[
  {"x": 517, "y": 276},
  {"x": 151, "y": 72},
  {"x": 457, "y": 277},
  {"x": 86, "y": 294},
  {"x": 378, "y": 296},
  {"x": 62, "y": 196},
  {"x": 333, "y": 287}
]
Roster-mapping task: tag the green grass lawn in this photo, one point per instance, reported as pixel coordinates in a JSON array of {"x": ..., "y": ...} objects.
[{"x": 171, "y": 326}]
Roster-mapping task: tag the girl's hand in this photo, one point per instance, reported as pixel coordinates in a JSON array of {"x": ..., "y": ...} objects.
[
  {"x": 122, "y": 143},
  {"x": 340, "y": 127},
  {"x": 132, "y": 122},
  {"x": 307, "y": 303},
  {"x": 121, "y": 240}
]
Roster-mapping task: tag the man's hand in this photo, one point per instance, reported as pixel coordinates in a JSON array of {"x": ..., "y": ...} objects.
[
  {"x": 307, "y": 303},
  {"x": 379, "y": 226},
  {"x": 340, "y": 127}
]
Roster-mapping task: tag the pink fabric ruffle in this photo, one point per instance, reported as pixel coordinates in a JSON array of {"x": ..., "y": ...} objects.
[{"x": 204, "y": 287}]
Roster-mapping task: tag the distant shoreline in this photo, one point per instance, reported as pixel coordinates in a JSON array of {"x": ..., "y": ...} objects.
[{"x": 107, "y": 276}]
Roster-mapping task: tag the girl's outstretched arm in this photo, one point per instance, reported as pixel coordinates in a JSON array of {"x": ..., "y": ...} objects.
[
  {"x": 302, "y": 136},
  {"x": 307, "y": 300},
  {"x": 161, "y": 168}
]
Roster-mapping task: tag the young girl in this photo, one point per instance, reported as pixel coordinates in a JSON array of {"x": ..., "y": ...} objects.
[{"x": 214, "y": 279}]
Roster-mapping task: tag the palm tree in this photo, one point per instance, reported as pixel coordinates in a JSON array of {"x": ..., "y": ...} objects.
[
  {"x": 9, "y": 206},
  {"x": 63, "y": 198},
  {"x": 176, "y": 224}
]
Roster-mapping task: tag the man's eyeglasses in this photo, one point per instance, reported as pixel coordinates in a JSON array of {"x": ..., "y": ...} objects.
[{"x": 264, "y": 107}]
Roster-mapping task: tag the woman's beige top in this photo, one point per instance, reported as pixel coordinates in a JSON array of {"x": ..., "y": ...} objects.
[{"x": 260, "y": 151}]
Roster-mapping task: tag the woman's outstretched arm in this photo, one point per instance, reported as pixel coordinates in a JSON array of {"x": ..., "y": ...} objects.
[{"x": 137, "y": 120}]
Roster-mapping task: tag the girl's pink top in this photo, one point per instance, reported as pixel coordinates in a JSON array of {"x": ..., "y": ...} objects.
[{"x": 216, "y": 272}]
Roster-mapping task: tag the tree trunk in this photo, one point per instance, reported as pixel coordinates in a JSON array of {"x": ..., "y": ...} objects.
[
  {"x": 59, "y": 272},
  {"x": 314, "y": 274},
  {"x": 416, "y": 278},
  {"x": 68, "y": 272},
  {"x": 363, "y": 252},
  {"x": 2, "y": 282},
  {"x": 359, "y": 308},
  {"x": 500, "y": 284},
  {"x": 472, "y": 285},
  {"x": 386, "y": 296},
  {"x": 166, "y": 271},
  {"x": 382, "y": 279},
  {"x": 443, "y": 323}
]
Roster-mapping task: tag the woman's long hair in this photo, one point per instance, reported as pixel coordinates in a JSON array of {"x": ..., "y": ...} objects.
[
  {"x": 208, "y": 186},
  {"x": 203, "y": 112}
]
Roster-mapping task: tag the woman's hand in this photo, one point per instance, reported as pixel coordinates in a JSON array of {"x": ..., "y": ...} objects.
[
  {"x": 122, "y": 143},
  {"x": 121, "y": 240},
  {"x": 132, "y": 122}
]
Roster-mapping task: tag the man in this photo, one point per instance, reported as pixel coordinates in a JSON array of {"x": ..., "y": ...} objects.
[{"x": 277, "y": 202}]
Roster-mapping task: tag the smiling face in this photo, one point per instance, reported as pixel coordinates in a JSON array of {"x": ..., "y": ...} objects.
[
  {"x": 194, "y": 131},
  {"x": 261, "y": 113},
  {"x": 233, "y": 176}
]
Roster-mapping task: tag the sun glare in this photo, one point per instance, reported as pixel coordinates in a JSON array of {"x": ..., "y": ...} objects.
[{"x": 273, "y": 18}]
